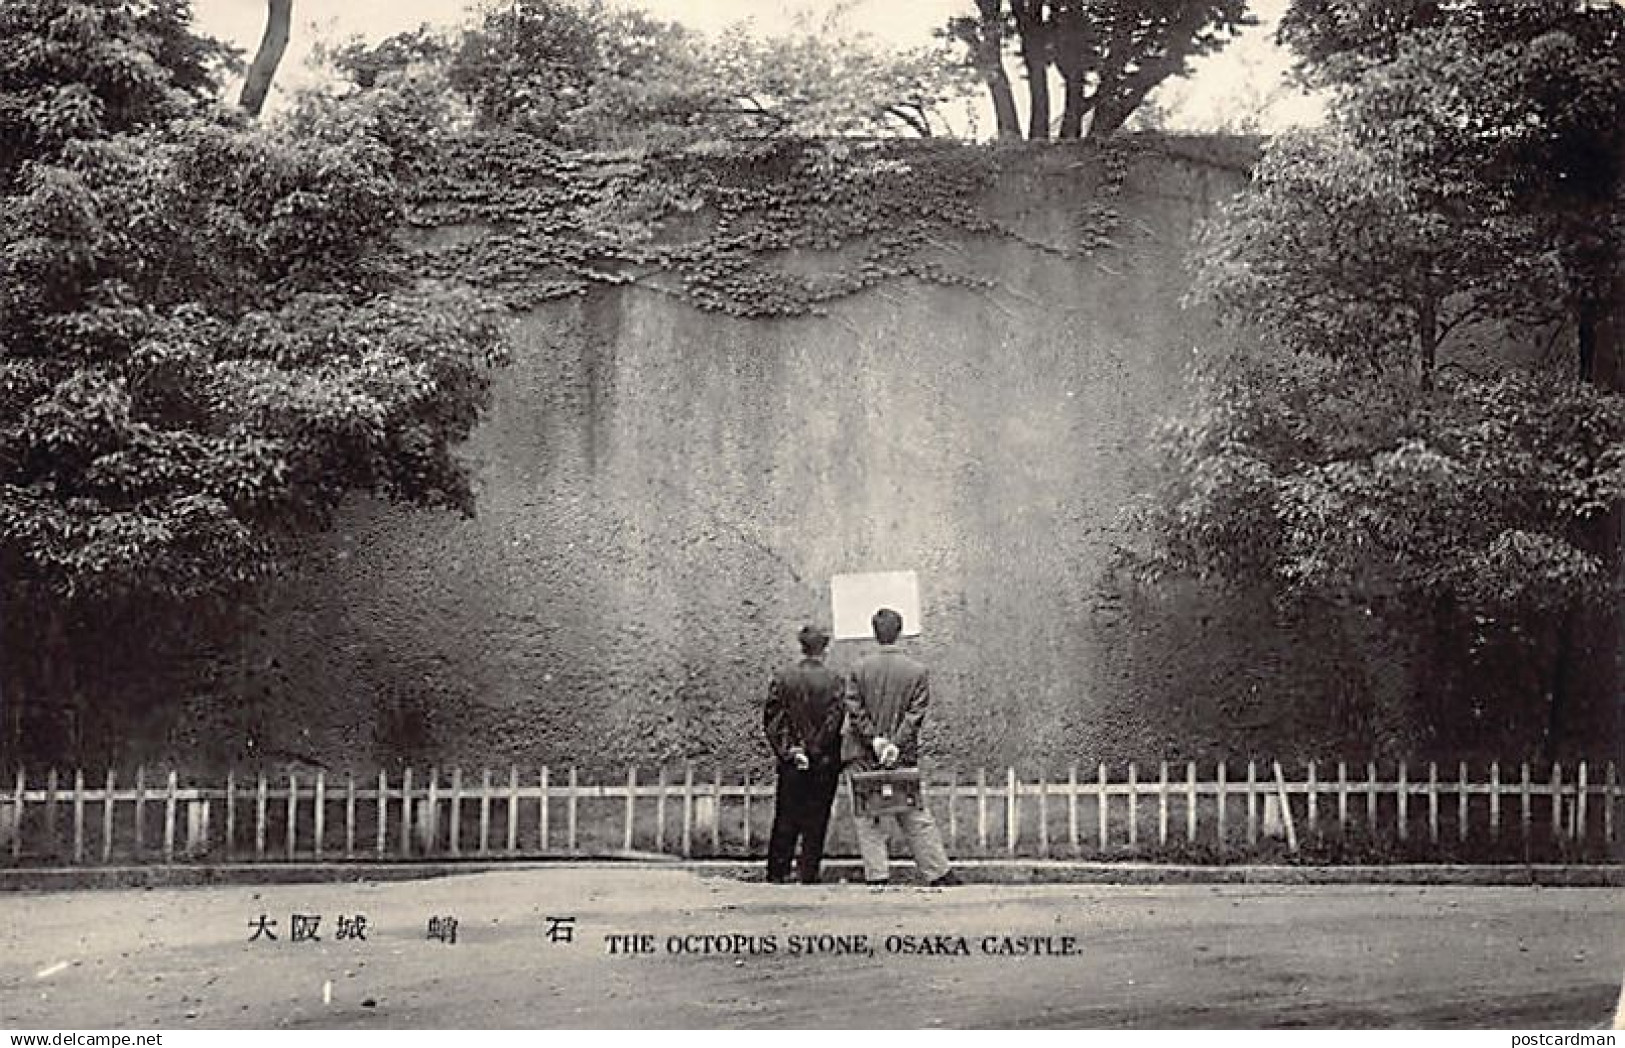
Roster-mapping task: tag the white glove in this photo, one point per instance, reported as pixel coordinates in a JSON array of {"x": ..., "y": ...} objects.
[
  {"x": 886, "y": 752},
  {"x": 799, "y": 757}
]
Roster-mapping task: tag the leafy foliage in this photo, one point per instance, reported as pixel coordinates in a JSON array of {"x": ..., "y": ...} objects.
[
  {"x": 584, "y": 76},
  {"x": 79, "y": 69},
  {"x": 1517, "y": 108},
  {"x": 1402, "y": 442},
  {"x": 1338, "y": 250},
  {"x": 684, "y": 168},
  {"x": 207, "y": 338},
  {"x": 1333, "y": 480}
]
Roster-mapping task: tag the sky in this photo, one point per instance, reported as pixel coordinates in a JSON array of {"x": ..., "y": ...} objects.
[{"x": 1248, "y": 77}]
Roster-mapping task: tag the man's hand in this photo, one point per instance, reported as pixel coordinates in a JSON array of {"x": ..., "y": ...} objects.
[
  {"x": 799, "y": 757},
  {"x": 886, "y": 751}
]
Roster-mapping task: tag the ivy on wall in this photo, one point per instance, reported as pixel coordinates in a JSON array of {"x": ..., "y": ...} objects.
[{"x": 777, "y": 228}]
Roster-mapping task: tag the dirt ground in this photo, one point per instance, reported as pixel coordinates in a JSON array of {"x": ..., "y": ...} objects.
[{"x": 792, "y": 956}]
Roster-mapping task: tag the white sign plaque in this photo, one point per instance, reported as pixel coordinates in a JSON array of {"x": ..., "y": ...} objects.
[{"x": 855, "y": 598}]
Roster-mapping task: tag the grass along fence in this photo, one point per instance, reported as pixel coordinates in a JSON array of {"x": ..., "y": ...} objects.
[{"x": 1321, "y": 813}]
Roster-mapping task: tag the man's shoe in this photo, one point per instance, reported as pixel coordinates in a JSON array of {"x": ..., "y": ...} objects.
[{"x": 947, "y": 880}]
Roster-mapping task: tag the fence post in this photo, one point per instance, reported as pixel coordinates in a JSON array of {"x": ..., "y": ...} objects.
[
  {"x": 575, "y": 783},
  {"x": 1609, "y": 802},
  {"x": 631, "y": 801},
  {"x": 1133, "y": 806},
  {"x": 432, "y": 816},
  {"x": 261, "y": 795},
  {"x": 1012, "y": 814},
  {"x": 1342, "y": 798},
  {"x": 1495, "y": 800},
  {"x": 1557, "y": 800},
  {"x": 140, "y": 807},
  {"x": 349, "y": 814},
  {"x": 1190, "y": 800},
  {"x": 981, "y": 810},
  {"x": 1286, "y": 807},
  {"x": 1252, "y": 802},
  {"x": 513, "y": 808},
  {"x": 78, "y": 816},
  {"x": 1102, "y": 806},
  {"x": 660, "y": 811},
  {"x": 17, "y": 813},
  {"x": 50, "y": 811},
  {"x": 1221, "y": 792},
  {"x": 319, "y": 809},
  {"x": 1432, "y": 801},
  {"x": 1524, "y": 801},
  {"x": 1371, "y": 798},
  {"x": 1404, "y": 793},
  {"x": 169, "y": 819},
  {"x": 1162, "y": 805},
  {"x": 544, "y": 811},
  {"x": 1463, "y": 811},
  {"x": 1072, "y": 807},
  {"x": 716, "y": 811},
  {"x": 107, "y": 818},
  {"x": 382, "y": 844},
  {"x": 1043, "y": 813},
  {"x": 953, "y": 811},
  {"x": 406, "y": 813},
  {"x": 485, "y": 811},
  {"x": 293, "y": 813},
  {"x": 1312, "y": 785},
  {"x": 1580, "y": 805},
  {"x": 688, "y": 809},
  {"x": 745, "y": 819}
]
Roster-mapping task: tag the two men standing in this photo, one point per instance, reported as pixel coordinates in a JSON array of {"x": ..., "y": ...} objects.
[{"x": 883, "y": 705}]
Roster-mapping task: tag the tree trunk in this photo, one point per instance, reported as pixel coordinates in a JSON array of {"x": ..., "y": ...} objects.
[
  {"x": 1076, "y": 102},
  {"x": 1427, "y": 333},
  {"x": 988, "y": 58},
  {"x": 1035, "y": 56},
  {"x": 279, "y": 18},
  {"x": 1037, "y": 91},
  {"x": 1608, "y": 370}
]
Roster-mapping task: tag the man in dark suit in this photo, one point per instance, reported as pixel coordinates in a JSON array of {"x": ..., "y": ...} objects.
[
  {"x": 886, "y": 698},
  {"x": 803, "y": 723}
]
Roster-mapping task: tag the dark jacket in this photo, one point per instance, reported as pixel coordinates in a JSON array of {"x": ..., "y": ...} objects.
[
  {"x": 805, "y": 708},
  {"x": 886, "y": 695}
]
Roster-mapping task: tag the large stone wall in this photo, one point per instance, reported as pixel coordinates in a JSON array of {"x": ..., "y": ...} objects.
[{"x": 664, "y": 494}]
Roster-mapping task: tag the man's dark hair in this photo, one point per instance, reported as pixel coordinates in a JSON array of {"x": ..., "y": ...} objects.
[
  {"x": 887, "y": 625},
  {"x": 814, "y": 639}
]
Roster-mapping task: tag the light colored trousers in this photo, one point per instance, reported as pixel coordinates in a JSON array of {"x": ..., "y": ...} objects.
[{"x": 923, "y": 841}]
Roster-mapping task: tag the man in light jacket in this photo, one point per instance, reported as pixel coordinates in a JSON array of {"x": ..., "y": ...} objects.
[{"x": 886, "y": 699}]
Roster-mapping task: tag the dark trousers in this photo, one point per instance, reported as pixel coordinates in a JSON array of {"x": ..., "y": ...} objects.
[{"x": 801, "y": 811}]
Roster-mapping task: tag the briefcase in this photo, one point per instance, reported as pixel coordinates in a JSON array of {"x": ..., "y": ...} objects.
[{"x": 886, "y": 792}]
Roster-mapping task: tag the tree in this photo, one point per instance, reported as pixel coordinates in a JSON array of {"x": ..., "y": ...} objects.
[
  {"x": 1522, "y": 104},
  {"x": 983, "y": 37},
  {"x": 1410, "y": 439},
  {"x": 207, "y": 339},
  {"x": 585, "y": 76},
  {"x": 1110, "y": 54},
  {"x": 81, "y": 69}
]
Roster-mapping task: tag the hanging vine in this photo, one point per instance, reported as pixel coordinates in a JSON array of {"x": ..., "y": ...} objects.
[{"x": 776, "y": 228}]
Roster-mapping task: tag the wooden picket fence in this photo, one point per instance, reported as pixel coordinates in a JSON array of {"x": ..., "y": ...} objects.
[{"x": 1101, "y": 811}]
